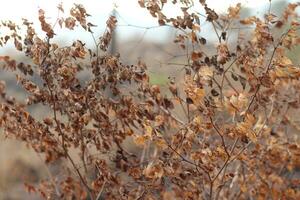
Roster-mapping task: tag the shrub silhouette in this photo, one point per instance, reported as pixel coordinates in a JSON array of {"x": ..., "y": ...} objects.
[{"x": 237, "y": 137}]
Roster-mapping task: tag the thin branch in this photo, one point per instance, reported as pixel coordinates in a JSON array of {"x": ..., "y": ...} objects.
[
  {"x": 172, "y": 116},
  {"x": 221, "y": 136},
  {"x": 100, "y": 192}
]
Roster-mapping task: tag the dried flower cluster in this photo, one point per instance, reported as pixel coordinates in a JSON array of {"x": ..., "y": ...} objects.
[{"x": 238, "y": 136}]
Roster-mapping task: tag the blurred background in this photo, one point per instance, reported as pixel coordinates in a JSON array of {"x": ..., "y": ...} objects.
[{"x": 137, "y": 36}]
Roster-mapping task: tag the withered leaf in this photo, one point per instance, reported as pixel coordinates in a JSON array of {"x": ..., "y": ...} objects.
[
  {"x": 243, "y": 81},
  {"x": 214, "y": 92}
]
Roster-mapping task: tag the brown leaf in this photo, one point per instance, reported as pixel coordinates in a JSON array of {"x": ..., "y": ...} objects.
[{"x": 196, "y": 55}]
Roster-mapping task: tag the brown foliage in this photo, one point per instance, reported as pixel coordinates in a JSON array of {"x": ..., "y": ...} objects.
[{"x": 237, "y": 139}]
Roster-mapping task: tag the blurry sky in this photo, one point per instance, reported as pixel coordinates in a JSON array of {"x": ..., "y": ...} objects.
[{"x": 129, "y": 13}]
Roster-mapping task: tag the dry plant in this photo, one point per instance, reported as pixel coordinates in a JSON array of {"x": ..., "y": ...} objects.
[{"x": 238, "y": 136}]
